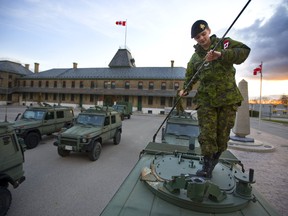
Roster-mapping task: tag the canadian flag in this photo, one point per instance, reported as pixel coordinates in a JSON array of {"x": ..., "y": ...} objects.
[
  {"x": 257, "y": 70},
  {"x": 123, "y": 23}
]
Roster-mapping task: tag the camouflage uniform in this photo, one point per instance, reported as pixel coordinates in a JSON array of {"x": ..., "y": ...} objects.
[{"x": 218, "y": 96}]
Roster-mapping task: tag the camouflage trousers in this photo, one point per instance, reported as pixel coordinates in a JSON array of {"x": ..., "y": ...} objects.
[{"x": 215, "y": 125}]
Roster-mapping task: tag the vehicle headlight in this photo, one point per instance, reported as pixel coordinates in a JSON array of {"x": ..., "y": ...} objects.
[{"x": 84, "y": 140}]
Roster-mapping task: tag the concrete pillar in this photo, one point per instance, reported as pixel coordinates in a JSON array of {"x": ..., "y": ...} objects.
[{"x": 242, "y": 123}]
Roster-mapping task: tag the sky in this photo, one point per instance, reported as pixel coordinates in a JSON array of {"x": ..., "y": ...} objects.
[{"x": 56, "y": 33}]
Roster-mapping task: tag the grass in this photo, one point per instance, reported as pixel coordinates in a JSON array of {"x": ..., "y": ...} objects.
[{"x": 276, "y": 121}]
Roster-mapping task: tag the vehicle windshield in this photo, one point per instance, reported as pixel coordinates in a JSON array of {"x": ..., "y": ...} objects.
[
  {"x": 33, "y": 114},
  {"x": 183, "y": 130},
  {"x": 118, "y": 108},
  {"x": 90, "y": 119}
]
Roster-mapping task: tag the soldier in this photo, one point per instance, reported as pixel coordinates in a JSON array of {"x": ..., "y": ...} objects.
[{"x": 218, "y": 96}]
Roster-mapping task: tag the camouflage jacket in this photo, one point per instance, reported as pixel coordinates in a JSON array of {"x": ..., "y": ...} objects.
[{"x": 217, "y": 78}]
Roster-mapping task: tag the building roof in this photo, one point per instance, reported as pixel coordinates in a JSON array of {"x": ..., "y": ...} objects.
[
  {"x": 122, "y": 58},
  {"x": 111, "y": 73},
  {"x": 13, "y": 67}
]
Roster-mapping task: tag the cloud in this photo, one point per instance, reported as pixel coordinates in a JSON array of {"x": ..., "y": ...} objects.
[{"x": 268, "y": 42}]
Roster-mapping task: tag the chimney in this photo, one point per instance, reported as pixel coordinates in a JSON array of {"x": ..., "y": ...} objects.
[
  {"x": 74, "y": 65},
  {"x": 172, "y": 63},
  {"x": 27, "y": 66},
  {"x": 36, "y": 67}
]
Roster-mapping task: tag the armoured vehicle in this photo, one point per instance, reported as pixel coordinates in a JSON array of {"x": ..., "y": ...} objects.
[
  {"x": 164, "y": 182},
  {"x": 92, "y": 128},
  {"x": 124, "y": 108},
  {"x": 38, "y": 121},
  {"x": 11, "y": 164}
]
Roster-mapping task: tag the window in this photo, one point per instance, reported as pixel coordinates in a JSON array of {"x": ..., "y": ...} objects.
[
  {"x": 73, "y": 84},
  {"x": 60, "y": 114},
  {"x": 107, "y": 121},
  {"x": 49, "y": 115},
  {"x": 163, "y": 86},
  {"x": 81, "y": 85},
  {"x": 162, "y": 101},
  {"x": 63, "y": 97},
  {"x": 105, "y": 85},
  {"x": 32, "y": 83},
  {"x": 24, "y": 83},
  {"x": 31, "y": 96},
  {"x": 54, "y": 97},
  {"x": 176, "y": 85},
  {"x": 46, "y": 96},
  {"x": 113, "y": 85},
  {"x": 91, "y": 98},
  {"x": 72, "y": 97},
  {"x": 64, "y": 84},
  {"x": 40, "y": 83},
  {"x": 47, "y": 84},
  {"x": 113, "y": 119},
  {"x": 150, "y": 100},
  {"x": 140, "y": 85},
  {"x": 127, "y": 85},
  {"x": 92, "y": 85},
  {"x": 55, "y": 84},
  {"x": 151, "y": 85}
]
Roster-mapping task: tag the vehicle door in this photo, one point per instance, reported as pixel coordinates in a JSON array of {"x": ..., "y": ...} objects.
[
  {"x": 48, "y": 126},
  {"x": 59, "y": 120},
  {"x": 113, "y": 126},
  {"x": 106, "y": 135}
]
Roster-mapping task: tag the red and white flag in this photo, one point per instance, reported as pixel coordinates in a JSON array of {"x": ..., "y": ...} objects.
[
  {"x": 123, "y": 23},
  {"x": 257, "y": 70}
]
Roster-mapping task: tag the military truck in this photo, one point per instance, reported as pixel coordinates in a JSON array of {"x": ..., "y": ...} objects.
[
  {"x": 92, "y": 128},
  {"x": 11, "y": 164},
  {"x": 38, "y": 121},
  {"x": 181, "y": 129},
  {"x": 124, "y": 108}
]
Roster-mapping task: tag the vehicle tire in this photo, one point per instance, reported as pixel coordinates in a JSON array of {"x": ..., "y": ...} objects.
[
  {"x": 122, "y": 117},
  {"x": 63, "y": 152},
  {"x": 117, "y": 137},
  {"x": 5, "y": 200},
  {"x": 32, "y": 140},
  {"x": 129, "y": 116},
  {"x": 94, "y": 154}
]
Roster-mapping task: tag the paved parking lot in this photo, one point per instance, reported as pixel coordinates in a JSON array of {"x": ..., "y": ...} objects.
[{"x": 76, "y": 186}]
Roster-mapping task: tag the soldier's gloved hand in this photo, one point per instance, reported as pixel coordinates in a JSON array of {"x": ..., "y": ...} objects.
[
  {"x": 212, "y": 55},
  {"x": 182, "y": 93}
]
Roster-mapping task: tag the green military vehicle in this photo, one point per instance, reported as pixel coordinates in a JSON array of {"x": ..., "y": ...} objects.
[
  {"x": 38, "y": 121},
  {"x": 124, "y": 108},
  {"x": 92, "y": 128},
  {"x": 181, "y": 129},
  {"x": 164, "y": 180},
  {"x": 11, "y": 164}
]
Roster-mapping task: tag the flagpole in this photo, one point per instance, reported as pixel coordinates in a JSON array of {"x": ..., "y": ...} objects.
[
  {"x": 260, "y": 100},
  {"x": 125, "y": 33}
]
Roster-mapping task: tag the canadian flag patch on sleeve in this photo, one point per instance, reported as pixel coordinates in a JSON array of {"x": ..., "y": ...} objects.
[{"x": 226, "y": 43}]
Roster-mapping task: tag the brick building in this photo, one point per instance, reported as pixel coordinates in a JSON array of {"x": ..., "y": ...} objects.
[{"x": 149, "y": 89}]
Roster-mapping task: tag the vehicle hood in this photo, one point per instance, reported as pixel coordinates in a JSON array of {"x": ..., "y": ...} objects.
[
  {"x": 26, "y": 123},
  {"x": 81, "y": 130}
]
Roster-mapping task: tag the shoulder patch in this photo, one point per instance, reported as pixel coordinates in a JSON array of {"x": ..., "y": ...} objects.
[{"x": 226, "y": 44}]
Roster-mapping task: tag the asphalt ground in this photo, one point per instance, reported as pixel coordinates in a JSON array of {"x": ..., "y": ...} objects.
[{"x": 76, "y": 186}]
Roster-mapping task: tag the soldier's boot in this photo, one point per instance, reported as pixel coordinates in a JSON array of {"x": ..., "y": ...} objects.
[
  {"x": 215, "y": 159},
  {"x": 207, "y": 169}
]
